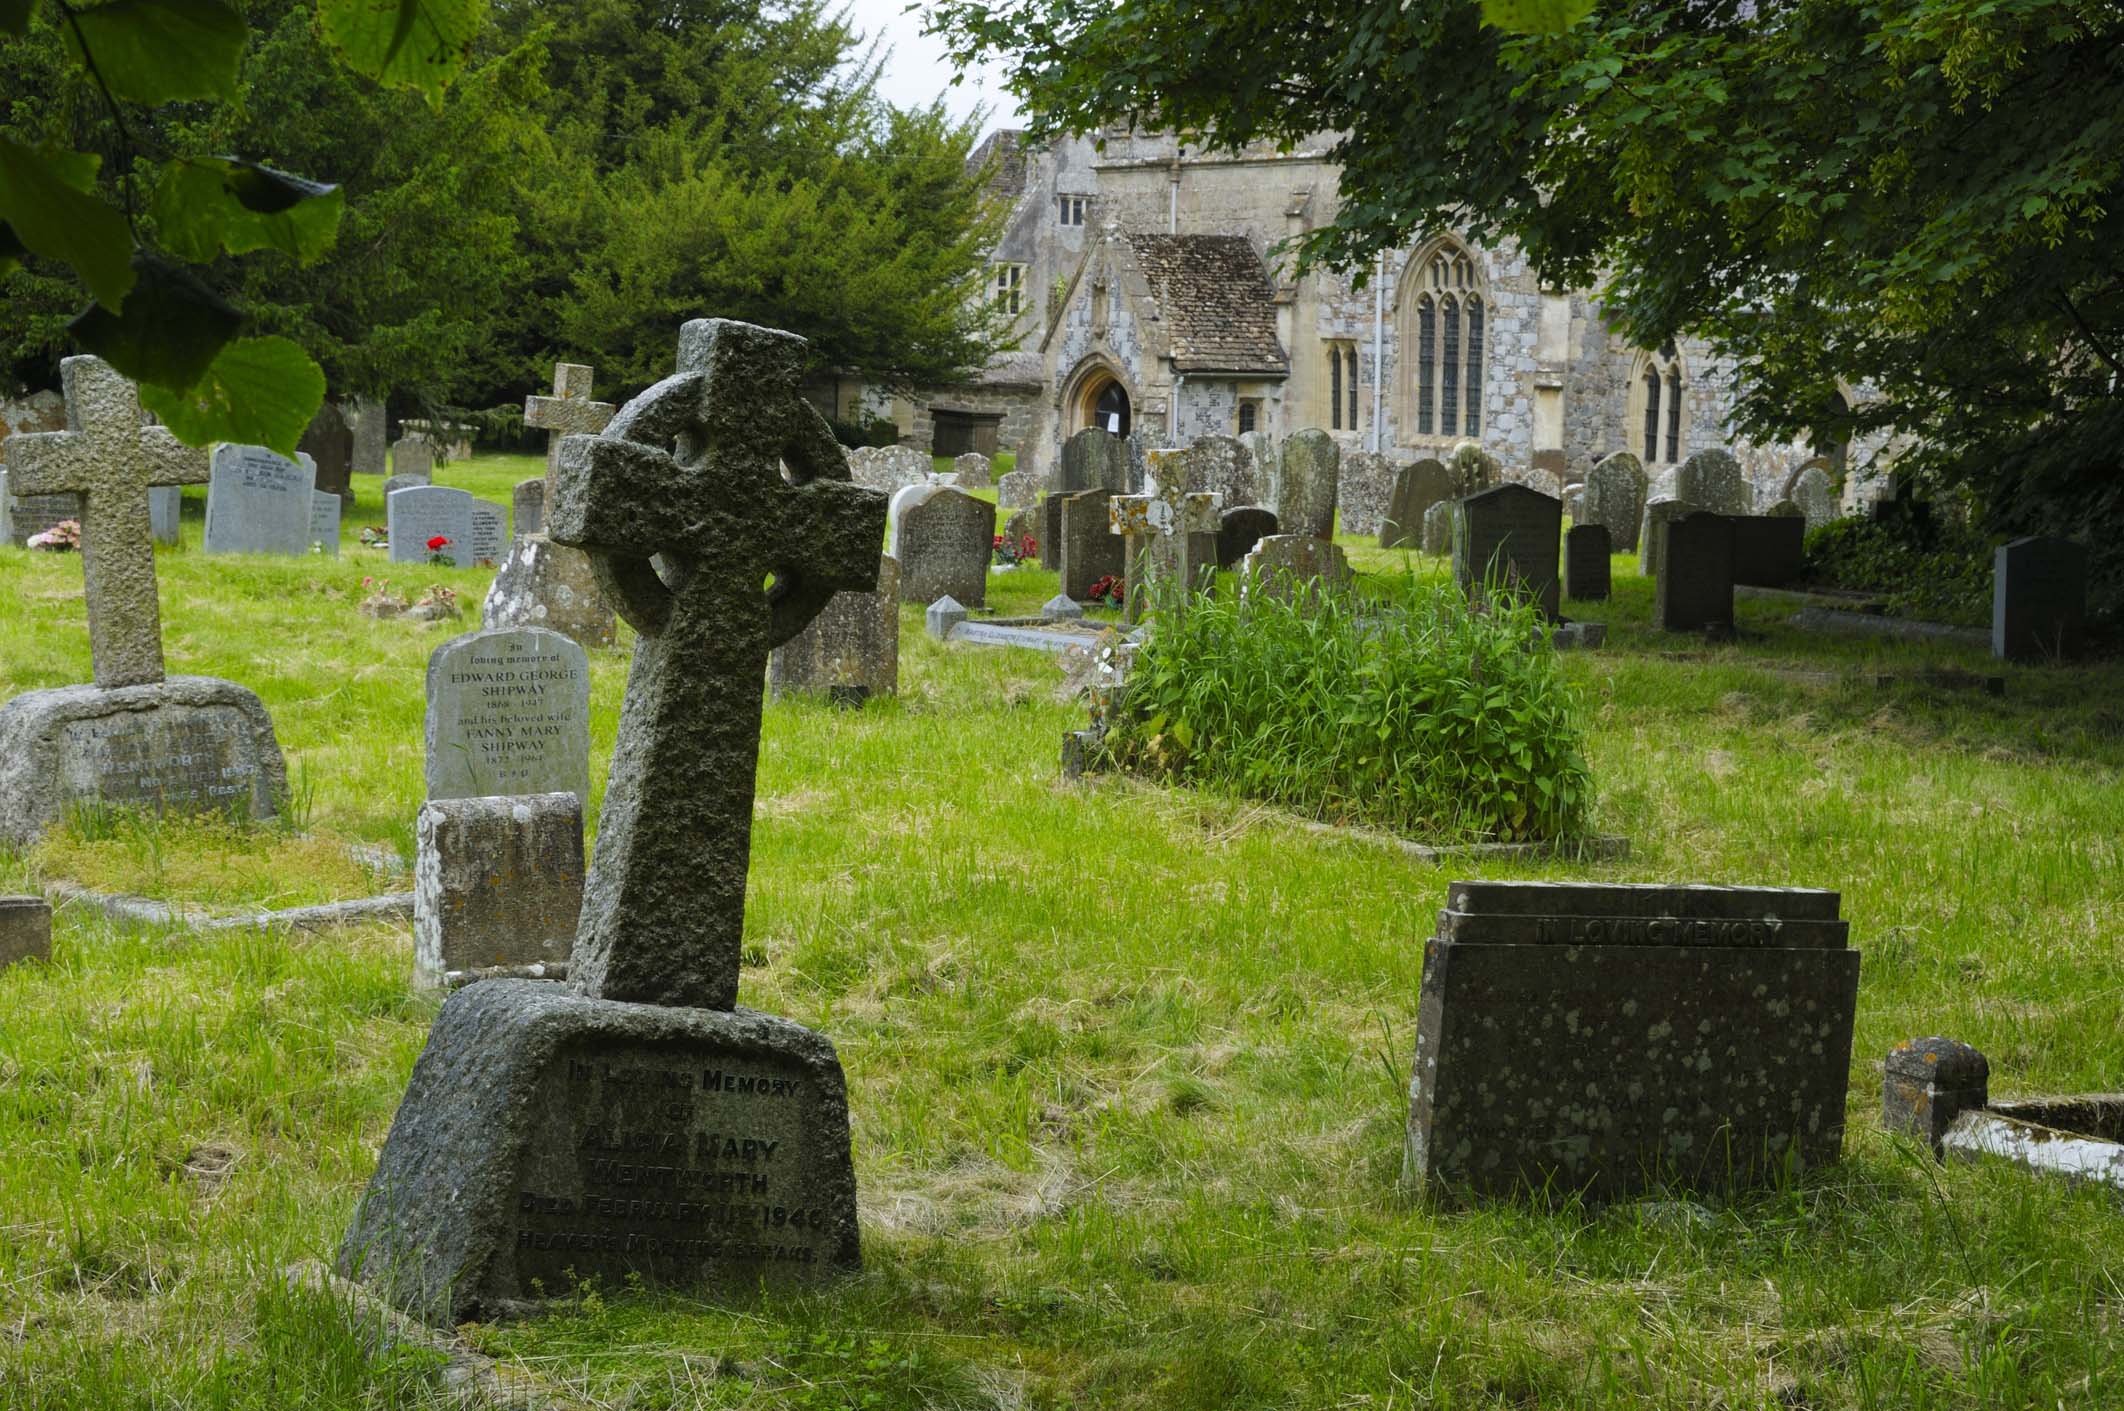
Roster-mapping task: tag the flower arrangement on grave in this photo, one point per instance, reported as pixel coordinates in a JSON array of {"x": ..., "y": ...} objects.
[
  {"x": 380, "y": 601},
  {"x": 435, "y": 604},
  {"x": 1009, "y": 554},
  {"x": 375, "y": 536},
  {"x": 1107, "y": 590},
  {"x": 438, "y": 554},
  {"x": 62, "y": 538}
]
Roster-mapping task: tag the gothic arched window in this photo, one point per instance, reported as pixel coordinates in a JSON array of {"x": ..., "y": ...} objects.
[
  {"x": 1654, "y": 417},
  {"x": 1444, "y": 320}
]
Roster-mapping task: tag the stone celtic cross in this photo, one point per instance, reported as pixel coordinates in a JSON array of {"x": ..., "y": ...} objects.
[
  {"x": 693, "y": 470},
  {"x": 110, "y": 460},
  {"x": 568, "y": 412}
]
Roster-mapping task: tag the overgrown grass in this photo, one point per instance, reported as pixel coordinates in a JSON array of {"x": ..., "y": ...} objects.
[
  {"x": 1406, "y": 707},
  {"x": 1127, "y": 1066}
]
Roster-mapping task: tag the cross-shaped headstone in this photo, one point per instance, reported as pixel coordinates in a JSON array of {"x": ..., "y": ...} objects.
[
  {"x": 1169, "y": 532},
  {"x": 110, "y": 460},
  {"x": 568, "y": 412},
  {"x": 692, "y": 472}
]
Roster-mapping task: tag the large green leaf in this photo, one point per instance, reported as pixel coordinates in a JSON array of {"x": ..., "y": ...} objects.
[
  {"x": 410, "y": 43},
  {"x": 204, "y": 205},
  {"x": 157, "y": 51},
  {"x": 259, "y": 391},
  {"x": 47, "y": 197},
  {"x": 1535, "y": 16},
  {"x": 169, "y": 330}
]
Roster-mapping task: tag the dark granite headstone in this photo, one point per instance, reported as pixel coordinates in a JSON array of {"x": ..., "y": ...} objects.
[
  {"x": 1587, "y": 568},
  {"x": 1510, "y": 532},
  {"x": 2038, "y": 599},
  {"x": 1695, "y": 586},
  {"x": 1769, "y": 550},
  {"x": 1238, "y": 530},
  {"x": 329, "y": 443},
  {"x": 1605, "y": 1039},
  {"x": 637, "y": 1123},
  {"x": 1090, "y": 551}
]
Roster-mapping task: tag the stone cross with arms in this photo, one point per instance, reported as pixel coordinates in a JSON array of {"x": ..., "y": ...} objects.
[
  {"x": 568, "y": 412},
  {"x": 694, "y": 470},
  {"x": 1170, "y": 532},
  {"x": 110, "y": 460}
]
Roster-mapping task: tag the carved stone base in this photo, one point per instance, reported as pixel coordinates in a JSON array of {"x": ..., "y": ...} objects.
[
  {"x": 191, "y": 744},
  {"x": 548, "y": 1137},
  {"x": 544, "y": 584}
]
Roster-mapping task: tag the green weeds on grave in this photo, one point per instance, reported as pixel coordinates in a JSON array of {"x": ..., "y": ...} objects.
[{"x": 1405, "y": 708}]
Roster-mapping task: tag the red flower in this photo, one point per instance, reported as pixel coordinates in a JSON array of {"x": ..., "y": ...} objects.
[
  {"x": 1027, "y": 548},
  {"x": 438, "y": 543},
  {"x": 999, "y": 542}
]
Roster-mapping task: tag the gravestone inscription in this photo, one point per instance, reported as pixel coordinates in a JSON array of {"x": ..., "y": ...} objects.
[
  {"x": 421, "y": 514},
  {"x": 258, "y": 502},
  {"x": 1597, "y": 1039},
  {"x": 489, "y": 536},
  {"x": 508, "y": 713},
  {"x": 944, "y": 540},
  {"x": 325, "y": 509}
]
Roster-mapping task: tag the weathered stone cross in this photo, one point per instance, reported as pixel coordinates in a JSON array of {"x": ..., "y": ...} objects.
[
  {"x": 1169, "y": 531},
  {"x": 110, "y": 460},
  {"x": 569, "y": 411},
  {"x": 692, "y": 470}
]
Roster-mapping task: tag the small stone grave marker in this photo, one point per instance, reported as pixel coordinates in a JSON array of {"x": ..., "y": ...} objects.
[
  {"x": 166, "y": 513},
  {"x": 497, "y": 884},
  {"x": 1051, "y": 529},
  {"x": 1695, "y": 587},
  {"x": 944, "y": 540},
  {"x": 258, "y": 502},
  {"x": 25, "y": 930},
  {"x": 1598, "y": 1039},
  {"x": 850, "y": 651},
  {"x": 325, "y": 509},
  {"x": 1715, "y": 480},
  {"x": 1511, "y": 532},
  {"x": 1090, "y": 551},
  {"x": 420, "y": 514},
  {"x": 527, "y": 507},
  {"x": 1588, "y": 567},
  {"x": 2038, "y": 599},
  {"x": 508, "y": 713}
]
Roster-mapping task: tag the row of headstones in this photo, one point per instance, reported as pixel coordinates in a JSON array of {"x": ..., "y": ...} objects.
[{"x": 258, "y": 502}]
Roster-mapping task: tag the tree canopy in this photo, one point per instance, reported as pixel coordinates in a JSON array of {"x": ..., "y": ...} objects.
[{"x": 1919, "y": 199}]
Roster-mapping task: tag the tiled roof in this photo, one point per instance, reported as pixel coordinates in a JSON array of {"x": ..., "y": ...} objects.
[
  {"x": 1006, "y": 147},
  {"x": 1214, "y": 293}
]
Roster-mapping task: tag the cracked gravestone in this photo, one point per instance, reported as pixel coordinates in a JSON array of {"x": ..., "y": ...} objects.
[
  {"x": 637, "y": 1123},
  {"x": 134, "y": 738},
  {"x": 539, "y": 583}
]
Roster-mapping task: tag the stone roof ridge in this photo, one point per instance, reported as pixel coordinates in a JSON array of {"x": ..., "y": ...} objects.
[
  {"x": 1006, "y": 145},
  {"x": 1218, "y": 305}
]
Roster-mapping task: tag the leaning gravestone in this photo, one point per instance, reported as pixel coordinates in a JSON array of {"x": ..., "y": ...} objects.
[
  {"x": 540, "y": 583},
  {"x": 1714, "y": 479},
  {"x": 1510, "y": 532},
  {"x": 1365, "y": 489},
  {"x": 2038, "y": 599},
  {"x": 497, "y": 884},
  {"x": 420, "y": 514},
  {"x": 1416, "y": 489},
  {"x": 1093, "y": 459},
  {"x": 1017, "y": 490},
  {"x": 165, "y": 512},
  {"x": 636, "y": 1123},
  {"x": 1304, "y": 492},
  {"x": 1695, "y": 587},
  {"x": 944, "y": 540},
  {"x": 489, "y": 539},
  {"x": 850, "y": 651},
  {"x": 1293, "y": 568},
  {"x": 971, "y": 471},
  {"x": 1587, "y": 567},
  {"x": 258, "y": 502},
  {"x": 1238, "y": 530},
  {"x": 1769, "y": 550},
  {"x": 1615, "y": 499},
  {"x": 508, "y": 713},
  {"x": 189, "y": 744},
  {"x": 325, "y": 509},
  {"x": 1090, "y": 551},
  {"x": 415, "y": 456},
  {"x": 1604, "y": 1040}
]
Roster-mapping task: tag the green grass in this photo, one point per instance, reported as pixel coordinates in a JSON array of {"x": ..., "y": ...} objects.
[{"x": 1126, "y": 1066}]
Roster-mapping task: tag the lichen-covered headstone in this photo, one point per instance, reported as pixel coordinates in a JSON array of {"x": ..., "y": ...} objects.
[
  {"x": 508, "y": 713},
  {"x": 1093, "y": 459},
  {"x": 1615, "y": 499},
  {"x": 1305, "y": 484},
  {"x": 636, "y": 1124},
  {"x": 192, "y": 744},
  {"x": 372, "y": 437},
  {"x": 944, "y": 540},
  {"x": 497, "y": 885},
  {"x": 1169, "y": 534},
  {"x": 971, "y": 471},
  {"x": 1604, "y": 1040},
  {"x": 891, "y": 468},
  {"x": 1417, "y": 488},
  {"x": 1715, "y": 480},
  {"x": 850, "y": 651},
  {"x": 1438, "y": 528},
  {"x": 1366, "y": 488},
  {"x": 1293, "y": 568},
  {"x": 1812, "y": 491},
  {"x": 1017, "y": 490},
  {"x": 258, "y": 502},
  {"x": 1473, "y": 469}
]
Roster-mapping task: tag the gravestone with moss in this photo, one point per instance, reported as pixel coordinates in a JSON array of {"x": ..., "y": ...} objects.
[
  {"x": 135, "y": 738},
  {"x": 638, "y": 1123}
]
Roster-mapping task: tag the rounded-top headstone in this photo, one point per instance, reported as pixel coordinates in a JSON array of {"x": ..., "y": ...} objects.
[
  {"x": 1473, "y": 469},
  {"x": 945, "y": 541},
  {"x": 1812, "y": 490},
  {"x": 508, "y": 713},
  {"x": 1017, "y": 490},
  {"x": 1714, "y": 479},
  {"x": 1306, "y": 482},
  {"x": 1417, "y": 488},
  {"x": 971, "y": 471},
  {"x": 1239, "y": 529},
  {"x": 1615, "y": 497}
]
